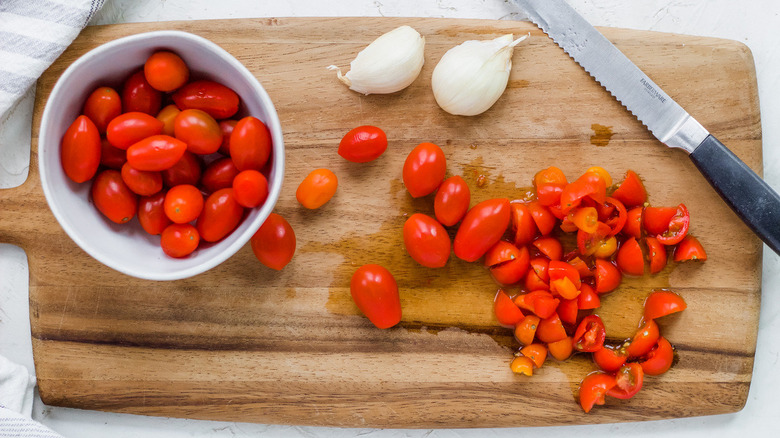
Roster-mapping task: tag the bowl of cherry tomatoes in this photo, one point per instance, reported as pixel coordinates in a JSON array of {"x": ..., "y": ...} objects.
[{"x": 160, "y": 154}]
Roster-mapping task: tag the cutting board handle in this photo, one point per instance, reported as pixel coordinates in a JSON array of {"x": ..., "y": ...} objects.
[{"x": 14, "y": 203}]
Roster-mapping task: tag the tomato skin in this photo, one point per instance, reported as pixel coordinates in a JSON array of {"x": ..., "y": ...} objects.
[
  {"x": 590, "y": 334},
  {"x": 274, "y": 243},
  {"x": 545, "y": 221},
  {"x": 561, "y": 350},
  {"x": 610, "y": 359},
  {"x": 589, "y": 185},
  {"x": 250, "y": 144},
  {"x": 426, "y": 241},
  {"x": 689, "y": 249},
  {"x": 525, "y": 330},
  {"x": 424, "y": 169},
  {"x": 594, "y": 388},
  {"x": 508, "y": 264},
  {"x": 644, "y": 340},
  {"x": 151, "y": 213},
  {"x": 80, "y": 150},
  {"x": 506, "y": 311},
  {"x": 199, "y": 130},
  {"x": 250, "y": 188},
  {"x": 186, "y": 171},
  {"x": 129, "y": 128},
  {"x": 141, "y": 182},
  {"x": 481, "y": 228},
  {"x": 630, "y": 259},
  {"x": 550, "y": 247},
  {"x": 523, "y": 224},
  {"x": 139, "y": 96},
  {"x": 179, "y": 240},
  {"x": 631, "y": 191},
  {"x": 226, "y": 126},
  {"x": 167, "y": 116},
  {"x": 628, "y": 380},
  {"x": 678, "y": 227},
  {"x": 656, "y": 219},
  {"x": 633, "y": 227},
  {"x": 375, "y": 292},
  {"x": 661, "y": 303},
  {"x": 452, "y": 201},
  {"x": 316, "y": 189},
  {"x": 221, "y": 215},
  {"x": 113, "y": 198},
  {"x": 166, "y": 71},
  {"x": 536, "y": 352},
  {"x": 110, "y": 156},
  {"x": 158, "y": 152},
  {"x": 656, "y": 252},
  {"x": 183, "y": 203},
  {"x": 102, "y": 106},
  {"x": 588, "y": 299},
  {"x": 608, "y": 276},
  {"x": 568, "y": 311},
  {"x": 219, "y": 175},
  {"x": 214, "y": 98},
  {"x": 659, "y": 359},
  {"x": 363, "y": 144}
]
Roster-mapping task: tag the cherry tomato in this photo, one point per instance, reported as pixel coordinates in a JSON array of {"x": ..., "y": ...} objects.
[
  {"x": 179, "y": 240},
  {"x": 580, "y": 265},
  {"x": 656, "y": 219},
  {"x": 540, "y": 302},
  {"x": 594, "y": 388},
  {"x": 607, "y": 276},
  {"x": 568, "y": 311},
  {"x": 216, "y": 99},
  {"x": 557, "y": 270},
  {"x": 507, "y": 312},
  {"x": 613, "y": 213},
  {"x": 219, "y": 175},
  {"x": 250, "y": 144},
  {"x": 659, "y": 359},
  {"x": 102, "y": 106},
  {"x": 452, "y": 201},
  {"x": 317, "y": 188},
  {"x": 656, "y": 253},
  {"x": 167, "y": 116},
  {"x": 151, "y": 213},
  {"x": 628, "y": 381},
  {"x": 523, "y": 224},
  {"x": 141, "y": 182},
  {"x": 199, "y": 130},
  {"x": 129, "y": 128},
  {"x": 508, "y": 264},
  {"x": 549, "y": 194},
  {"x": 600, "y": 171},
  {"x": 274, "y": 243},
  {"x": 226, "y": 126},
  {"x": 633, "y": 227},
  {"x": 678, "y": 227},
  {"x": 481, "y": 228},
  {"x": 522, "y": 365},
  {"x": 631, "y": 192},
  {"x": 598, "y": 242},
  {"x": 139, "y": 96},
  {"x": 630, "y": 259},
  {"x": 363, "y": 144},
  {"x": 426, "y": 241},
  {"x": 551, "y": 175},
  {"x": 689, "y": 249},
  {"x": 183, "y": 203},
  {"x": 644, "y": 340},
  {"x": 221, "y": 215},
  {"x": 661, "y": 303},
  {"x": 80, "y": 150},
  {"x": 110, "y": 156},
  {"x": 424, "y": 169},
  {"x": 544, "y": 219},
  {"x": 534, "y": 282},
  {"x": 158, "y": 152},
  {"x": 166, "y": 71},
  {"x": 586, "y": 219},
  {"x": 540, "y": 266},
  {"x": 550, "y": 247},
  {"x": 250, "y": 188},
  {"x": 610, "y": 359},
  {"x": 186, "y": 171},
  {"x": 551, "y": 329},
  {"x": 113, "y": 198},
  {"x": 561, "y": 350},
  {"x": 375, "y": 292},
  {"x": 590, "y": 334},
  {"x": 588, "y": 298},
  {"x": 589, "y": 185},
  {"x": 536, "y": 352},
  {"x": 525, "y": 330}
]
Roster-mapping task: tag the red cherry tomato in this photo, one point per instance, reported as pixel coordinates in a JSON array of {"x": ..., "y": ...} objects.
[
  {"x": 551, "y": 329},
  {"x": 226, "y": 126},
  {"x": 424, "y": 169},
  {"x": 523, "y": 224},
  {"x": 168, "y": 115},
  {"x": 426, "y": 241},
  {"x": 139, "y": 96},
  {"x": 656, "y": 219},
  {"x": 158, "y": 152},
  {"x": 677, "y": 228},
  {"x": 540, "y": 302},
  {"x": 317, "y": 188},
  {"x": 141, "y": 182},
  {"x": 549, "y": 194},
  {"x": 549, "y": 247},
  {"x": 656, "y": 252},
  {"x": 568, "y": 311},
  {"x": 613, "y": 213},
  {"x": 628, "y": 381},
  {"x": 102, "y": 106},
  {"x": 250, "y": 144},
  {"x": 543, "y": 218},
  {"x": 363, "y": 144},
  {"x": 179, "y": 240},
  {"x": 558, "y": 269},
  {"x": 631, "y": 192},
  {"x": 250, "y": 188},
  {"x": 452, "y": 201},
  {"x": 644, "y": 340},
  {"x": 594, "y": 388},
  {"x": 481, "y": 228},
  {"x": 216, "y": 99},
  {"x": 633, "y": 227},
  {"x": 589, "y": 185},
  {"x": 630, "y": 259},
  {"x": 110, "y": 156},
  {"x": 221, "y": 215},
  {"x": 506, "y": 311},
  {"x": 274, "y": 243},
  {"x": 186, "y": 171},
  {"x": 80, "y": 150},
  {"x": 129, "y": 128},
  {"x": 607, "y": 276},
  {"x": 151, "y": 213},
  {"x": 610, "y": 359},
  {"x": 166, "y": 71},
  {"x": 689, "y": 249},
  {"x": 199, "y": 130},
  {"x": 219, "y": 175},
  {"x": 375, "y": 292},
  {"x": 588, "y": 298},
  {"x": 590, "y": 334},
  {"x": 508, "y": 264},
  {"x": 659, "y": 359},
  {"x": 661, "y": 303},
  {"x": 183, "y": 203},
  {"x": 113, "y": 198}
]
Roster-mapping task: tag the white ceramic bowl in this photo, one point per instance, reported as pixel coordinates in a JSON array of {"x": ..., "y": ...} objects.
[{"x": 128, "y": 248}]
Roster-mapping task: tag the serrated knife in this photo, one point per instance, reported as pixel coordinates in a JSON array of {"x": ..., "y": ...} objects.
[{"x": 754, "y": 201}]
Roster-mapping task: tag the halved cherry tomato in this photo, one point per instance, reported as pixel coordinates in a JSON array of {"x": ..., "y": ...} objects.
[
  {"x": 179, "y": 240},
  {"x": 644, "y": 340},
  {"x": 199, "y": 130},
  {"x": 536, "y": 352},
  {"x": 656, "y": 253},
  {"x": 633, "y": 227},
  {"x": 594, "y": 388},
  {"x": 166, "y": 71},
  {"x": 508, "y": 264},
  {"x": 139, "y": 96},
  {"x": 481, "y": 228},
  {"x": 375, "y": 292},
  {"x": 523, "y": 224},
  {"x": 426, "y": 241},
  {"x": 607, "y": 276},
  {"x": 141, "y": 182},
  {"x": 250, "y": 144},
  {"x": 561, "y": 350},
  {"x": 590, "y": 185},
  {"x": 610, "y": 359},
  {"x": 452, "y": 201},
  {"x": 507, "y": 312},
  {"x": 158, "y": 152},
  {"x": 589, "y": 244},
  {"x": 628, "y": 381},
  {"x": 689, "y": 249},
  {"x": 540, "y": 266},
  {"x": 613, "y": 213},
  {"x": 167, "y": 116},
  {"x": 588, "y": 298},
  {"x": 568, "y": 311},
  {"x": 363, "y": 144},
  {"x": 274, "y": 243},
  {"x": 250, "y": 188},
  {"x": 577, "y": 263},
  {"x": 522, "y": 365},
  {"x": 586, "y": 219},
  {"x": 129, "y": 128},
  {"x": 102, "y": 106},
  {"x": 525, "y": 330},
  {"x": 534, "y": 282},
  {"x": 183, "y": 203},
  {"x": 219, "y": 175},
  {"x": 186, "y": 171},
  {"x": 678, "y": 227},
  {"x": 545, "y": 221},
  {"x": 590, "y": 334},
  {"x": 424, "y": 169},
  {"x": 540, "y": 302},
  {"x": 113, "y": 198},
  {"x": 656, "y": 219},
  {"x": 110, "y": 156},
  {"x": 659, "y": 359},
  {"x": 630, "y": 259},
  {"x": 151, "y": 213},
  {"x": 226, "y": 126},
  {"x": 662, "y": 302},
  {"x": 557, "y": 269},
  {"x": 551, "y": 329},
  {"x": 214, "y": 98},
  {"x": 221, "y": 215},
  {"x": 549, "y": 194},
  {"x": 315, "y": 190},
  {"x": 600, "y": 171},
  {"x": 631, "y": 192},
  {"x": 550, "y": 247},
  {"x": 80, "y": 150}
]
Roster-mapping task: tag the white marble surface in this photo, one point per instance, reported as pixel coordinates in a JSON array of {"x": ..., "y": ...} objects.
[{"x": 754, "y": 22}]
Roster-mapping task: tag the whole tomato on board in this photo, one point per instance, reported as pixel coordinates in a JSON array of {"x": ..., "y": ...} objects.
[
  {"x": 317, "y": 188},
  {"x": 426, "y": 241},
  {"x": 113, "y": 198},
  {"x": 80, "y": 150},
  {"x": 424, "y": 169},
  {"x": 274, "y": 243},
  {"x": 481, "y": 228},
  {"x": 375, "y": 292},
  {"x": 452, "y": 201},
  {"x": 214, "y": 98},
  {"x": 363, "y": 144}
]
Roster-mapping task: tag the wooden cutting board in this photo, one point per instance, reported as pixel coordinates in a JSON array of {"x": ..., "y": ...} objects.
[{"x": 245, "y": 343}]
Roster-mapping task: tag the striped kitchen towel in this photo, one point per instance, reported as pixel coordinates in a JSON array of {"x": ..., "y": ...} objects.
[
  {"x": 16, "y": 425},
  {"x": 33, "y": 33}
]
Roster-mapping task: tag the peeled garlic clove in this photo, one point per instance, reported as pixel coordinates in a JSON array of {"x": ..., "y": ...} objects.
[
  {"x": 471, "y": 77},
  {"x": 389, "y": 64}
]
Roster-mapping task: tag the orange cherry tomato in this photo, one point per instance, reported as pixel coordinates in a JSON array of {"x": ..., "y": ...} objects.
[
  {"x": 179, "y": 240},
  {"x": 590, "y": 334},
  {"x": 375, "y": 292},
  {"x": 186, "y": 171},
  {"x": 139, "y": 96},
  {"x": 113, "y": 198},
  {"x": 551, "y": 329},
  {"x": 522, "y": 365},
  {"x": 506, "y": 311},
  {"x": 589, "y": 185},
  {"x": 452, "y": 201},
  {"x": 250, "y": 144},
  {"x": 630, "y": 259},
  {"x": 274, "y": 243},
  {"x": 661, "y": 303},
  {"x": 525, "y": 330},
  {"x": 585, "y": 218},
  {"x": 607, "y": 276},
  {"x": 426, "y": 241},
  {"x": 141, "y": 182},
  {"x": 151, "y": 213},
  {"x": 317, "y": 188},
  {"x": 158, "y": 152},
  {"x": 689, "y": 249},
  {"x": 424, "y": 169},
  {"x": 166, "y": 71},
  {"x": 610, "y": 359},
  {"x": 219, "y": 175},
  {"x": 644, "y": 340},
  {"x": 250, "y": 188},
  {"x": 600, "y": 171},
  {"x": 212, "y": 97},
  {"x": 536, "y": 352},
  {"x": 183, "y": 203},
  {"x": 167, "y": 116},
  {"x": 523, "y": 224},
  {"x": 594, "y": 388},
  {"x": 199, "y": 130},
  {"x": 561, "y": 350},
  {"x": 631, "y": 192},
  {"x": 102, "y": 106},
  {"x": 80, "y": 150},
  {"x": 221, "y": 215},
  {"x": 363, "y": 144},
  {"x": 659, "y": 359},
  {"x": 656, "y": 252},
  {"x": 481, "y": 228},
  {"x": 628, "y": 380},
  {"x": 129, "y": 128}
]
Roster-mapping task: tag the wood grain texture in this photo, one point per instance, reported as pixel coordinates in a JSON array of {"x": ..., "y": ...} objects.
[{"x": 241, "y": 342}]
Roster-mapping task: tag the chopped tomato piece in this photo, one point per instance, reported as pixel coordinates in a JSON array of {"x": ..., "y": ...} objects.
[
  {"x": 677, "y": 228},
  {"x": 662, "y": 302},
  {"x": 656, "y": 219},
  {"x": 562, "y": 349},
  {"x": 659, "y": 359},
  {"x": 628, "y": 381},
  {"x": 608, "y": 276},
  {"x": 585, "y": 218},
  {"x": 551, "y": 329},
  {"x": 689, "y": 249},
  {"x": 633, "y": 227},
  {"x": 644, "y": 340},
  {"x": 610, "y": 359},
  {"x": 588, "y": 298},
  {"x": 590, "y": 334},
  {"x": 507, "y": 312},
  {"x": 523, "y": 224},
  {"x": 631, "y": 192},
  {"x": 536, "y": 352},
  {"x": 630, "y": 259},
  {"x": 589, "y": 185},
  {"x": 543, "y": 218},
  {"x": 522, "y": 365},
  {"x": 550, "y": 175},
  {"x": 525, "y": 330},
  {"x": 656, "y": 252},
  {"x": 550, "y": 247},
  {"x": 594, "y": 388},
  {"x": 567, "y": 311}
]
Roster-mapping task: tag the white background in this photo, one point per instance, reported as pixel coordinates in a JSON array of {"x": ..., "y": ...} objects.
[{"x": 753, "y": 22}]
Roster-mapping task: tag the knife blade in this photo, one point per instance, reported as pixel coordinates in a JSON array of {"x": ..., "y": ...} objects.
[{"x": 751, "y": 198}]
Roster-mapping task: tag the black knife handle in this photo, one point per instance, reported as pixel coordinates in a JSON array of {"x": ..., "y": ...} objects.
[{"x": 754, "y": 201}]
